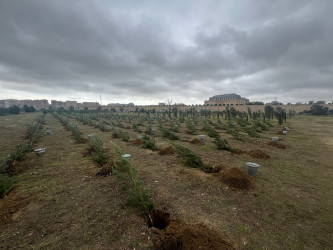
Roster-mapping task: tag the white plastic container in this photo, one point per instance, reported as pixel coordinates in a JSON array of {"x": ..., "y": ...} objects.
[
  {"x": 127, "y": 156},
  {"x": 40, "y": 151},
  {"x": 252, "y": 168},
  {"x": 275, "y": 139},
  {"x": 202, "y": 137}
]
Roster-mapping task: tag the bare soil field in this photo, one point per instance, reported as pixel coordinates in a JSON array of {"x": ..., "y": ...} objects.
[{"x": 60, "y": 203}]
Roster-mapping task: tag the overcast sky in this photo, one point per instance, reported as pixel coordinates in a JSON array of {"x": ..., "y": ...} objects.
[{"x": 149, "y": 51}]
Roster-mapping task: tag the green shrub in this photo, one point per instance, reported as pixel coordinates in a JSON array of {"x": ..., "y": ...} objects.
[
  {"x": 209, "y": 130},
  {"x": 260, "y": 125},
  {"x": 6, "y": 183},
  {"x": 138, "y": 196},
  {"x": 98, "y": 153},
  {"x": 95, "y": 144},
  {"x": 41, "y": 119},
  {"x": 251, "y": 132},
  {"x": 168, "y": 134},
  {"x": 149, "y": 130},
  {"x": 149, "y": 142},
  {"x": 18, "y": 154},
  {"x": 75, "y": 130},
  {"x": 100, "y": 157},
  {"x": 235, "y": 133},
  {"x": 124, "y": 135},
  {"x": 189, "y": 158},
  {"x": 190, "y": 127},
  {"x": 34, "y": 131},
  {"x": 222, "y": 144}
]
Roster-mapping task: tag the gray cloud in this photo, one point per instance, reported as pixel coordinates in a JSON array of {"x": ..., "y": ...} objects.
[{"x": 156, "y": 51}]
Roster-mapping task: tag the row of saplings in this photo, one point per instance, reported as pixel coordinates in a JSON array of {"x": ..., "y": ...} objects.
[
  {"x": 170, "y": 233},
  {"x": 8, "y": 162}
]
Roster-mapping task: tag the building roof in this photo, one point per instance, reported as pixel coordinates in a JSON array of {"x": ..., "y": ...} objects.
[{"x": 226, "y": 96}]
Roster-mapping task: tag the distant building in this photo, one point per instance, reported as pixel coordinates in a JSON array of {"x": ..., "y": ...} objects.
[
  {"x": 37, "y": 104},
  {"x": 227, "y": 99},
  {"x": 131, "y": 104},
  {"x": 161, "y": 104}
]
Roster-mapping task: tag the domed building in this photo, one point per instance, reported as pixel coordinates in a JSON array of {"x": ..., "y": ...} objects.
[{"x": 227, "y": 99}]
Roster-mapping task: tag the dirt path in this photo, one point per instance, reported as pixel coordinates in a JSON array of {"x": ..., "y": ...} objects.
[{"x": 68, "y": 206}]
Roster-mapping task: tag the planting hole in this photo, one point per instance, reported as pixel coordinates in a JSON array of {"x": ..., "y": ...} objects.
[{"x": 158, "y": 218}]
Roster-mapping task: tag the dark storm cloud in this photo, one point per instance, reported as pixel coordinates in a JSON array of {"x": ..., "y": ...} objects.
[{"x": 168, "y": 50}]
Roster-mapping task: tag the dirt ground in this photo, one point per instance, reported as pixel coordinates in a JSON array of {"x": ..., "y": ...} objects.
[
  {"x": 68, "y": 206},
  {"x": 13, "y": 130}
]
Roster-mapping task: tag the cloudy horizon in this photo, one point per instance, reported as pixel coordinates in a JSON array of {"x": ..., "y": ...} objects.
[{"x": 149, "y": 51}]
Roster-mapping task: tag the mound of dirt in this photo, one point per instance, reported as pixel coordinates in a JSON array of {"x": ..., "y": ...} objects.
[
  {"x": 179, "y": 235},
  {"x": 105, "y": 171},
  {"x": 277, "y": 145},
  {"x": 236, "y": 178},
  {"x": 87, "y": 152},
  {"x": 11, "y": 207},
  {"x": 166, "y": 151},
  {"x": 196, "y": 141},
  {"x": 237, "y": 151},
  {"x": 258, "y": 154},
  {"x": 213, "y": 170},
  {"x": 281, "y": 132},
  {"x": 82, "y": 141},
  {"x": 137, "y": 142}
]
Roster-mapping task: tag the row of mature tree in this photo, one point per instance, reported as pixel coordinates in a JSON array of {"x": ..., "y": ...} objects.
[{"x": 15, "y": 110}]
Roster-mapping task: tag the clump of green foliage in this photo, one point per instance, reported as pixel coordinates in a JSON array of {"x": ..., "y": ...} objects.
[
  {"x": 235, "y": 133},
  {"x": 138, "y": 196},
  {"x": 251, "y": 132},
  {"x": 222, "y": 144},
  {"x": 149, "y": 142},
  {"x": 149, "y": 130},
  {"x": 18, "y": 153},
  {"x": 168, "y": 134},
  {"x": 189, "y": 158},
  {"x": 34, "y": 131},
  {"x": 98, "y": 153},
  {"x": 124, "y": 135},
  {"x": 101, "y": 126},
  {"x": 75, "y": 130},
  {"x": 6, "y": 181},
  {"x": 209, "y": 130},
  {"x": 190, "y": 127},
  {"x": 260, "y": 125}
]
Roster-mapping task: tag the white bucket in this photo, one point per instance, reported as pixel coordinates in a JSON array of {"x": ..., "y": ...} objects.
[
  {"x": 275, "y": 139},
  {"x": 202, "y": 137},
  {"x": 252, "y": 168}
]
